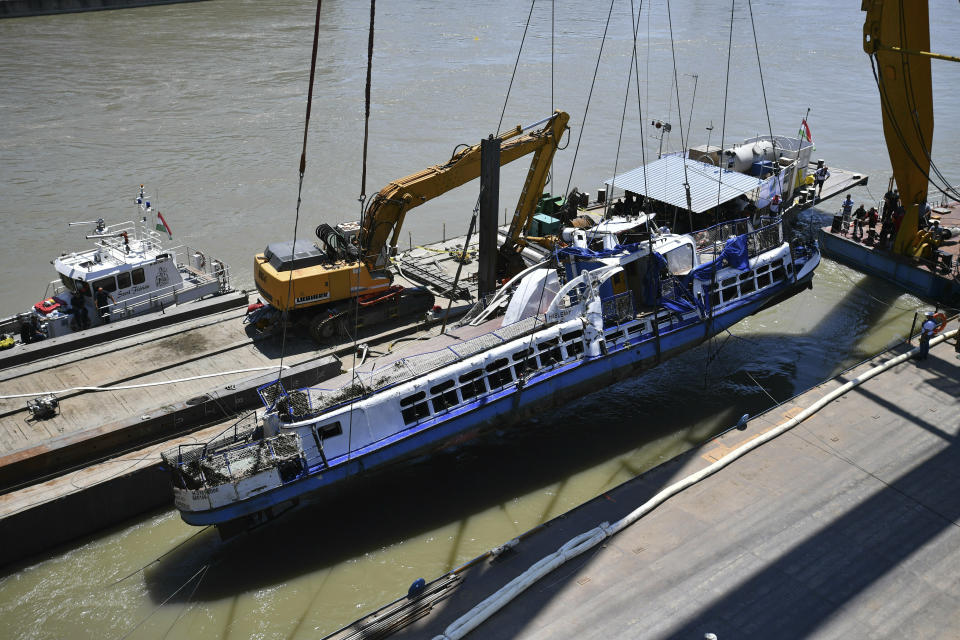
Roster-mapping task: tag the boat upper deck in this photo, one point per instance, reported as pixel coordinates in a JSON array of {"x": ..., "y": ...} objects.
[{"x": 116, "y": 246}]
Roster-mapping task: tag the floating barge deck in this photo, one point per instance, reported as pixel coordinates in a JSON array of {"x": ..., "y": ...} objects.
[
  {"x": 80, "y": 467},
  {"x": 844, "y": 526},
  {"x": 940, "y": 281}
]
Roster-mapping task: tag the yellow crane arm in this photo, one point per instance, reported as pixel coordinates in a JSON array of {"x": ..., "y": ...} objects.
[
  {"x": 892, "y": 33},
  {"x": 387, "y": 209}
]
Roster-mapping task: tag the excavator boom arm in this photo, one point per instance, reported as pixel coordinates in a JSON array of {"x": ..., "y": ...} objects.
[{"x": 384, "y": 216}]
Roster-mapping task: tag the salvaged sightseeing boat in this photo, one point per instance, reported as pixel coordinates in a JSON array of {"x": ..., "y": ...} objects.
[
  {"x": 591, "y": 314},
  {"x": 135, "y": 271}
]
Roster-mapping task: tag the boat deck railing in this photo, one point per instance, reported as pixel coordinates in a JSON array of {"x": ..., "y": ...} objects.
[
  {"x": 619, "y": 308},
  {"x": 710, "y": 241},
  {"x": 239, "y": 434},
  {"x": 399, "y": 371},
  {"x": 229, "y": 464}
]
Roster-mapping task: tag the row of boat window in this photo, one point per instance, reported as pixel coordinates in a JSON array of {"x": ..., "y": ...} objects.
[
  {"x": 123, "y": 280},
  {"x": 495, "y": 375},
  {"x": 750, "y": 281},
  {"x": 503, "y": 371}
]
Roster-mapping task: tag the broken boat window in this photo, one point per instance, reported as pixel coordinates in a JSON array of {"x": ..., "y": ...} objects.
[
  {"x": 444, "y": 396},
  {"x": 550, "y": 352},
  {"x": 680, "y": 259},
  {"x": 329, "y": 430},
  {"x": 499, "y": 373},
  {"x": 472, "y": 384}
]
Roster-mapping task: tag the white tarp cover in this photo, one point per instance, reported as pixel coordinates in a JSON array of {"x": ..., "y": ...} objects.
[
  {"x": 533, "y": 295},
  {"x": 664, "y": 178}
]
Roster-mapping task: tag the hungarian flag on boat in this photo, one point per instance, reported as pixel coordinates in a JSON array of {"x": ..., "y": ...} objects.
[
  {"x": 804, "y": 131},
  {"x": 163, "y": 226}
]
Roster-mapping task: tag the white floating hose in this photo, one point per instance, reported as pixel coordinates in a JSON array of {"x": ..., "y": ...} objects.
[
  {"x": 137, "y": 386},
  {"x": 480, "y": 613}
]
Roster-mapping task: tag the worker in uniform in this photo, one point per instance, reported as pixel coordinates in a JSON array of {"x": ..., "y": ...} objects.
[
  {"x": 846, "y": 209},
  {"x": 819, "y": 177},
  {"x": 101, "y": 298},
  {"x": 78, "y": 309},
  {"x": 30, "y": 331},
  {"x": 926, "y": 332},
  {"x": 859, "y": 218}
]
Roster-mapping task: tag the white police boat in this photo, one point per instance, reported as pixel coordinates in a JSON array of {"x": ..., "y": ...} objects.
[
  {"x": 135, "y": 271},
  {"x": 593, "y": 313}
]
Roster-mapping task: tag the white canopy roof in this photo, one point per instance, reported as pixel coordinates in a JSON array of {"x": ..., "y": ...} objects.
[{"x": 664, "y": 178}]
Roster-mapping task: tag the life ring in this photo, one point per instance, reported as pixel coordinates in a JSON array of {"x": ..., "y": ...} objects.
[
  {"x": 203, "y": 260},
  {"x": 941, "y": 320}
]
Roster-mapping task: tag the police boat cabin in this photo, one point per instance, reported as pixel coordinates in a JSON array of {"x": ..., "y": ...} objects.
[{"x": 127, "y": 273}]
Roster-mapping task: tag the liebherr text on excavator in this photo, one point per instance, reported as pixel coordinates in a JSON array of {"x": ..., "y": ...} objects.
[{"x": 343, "y": 279}]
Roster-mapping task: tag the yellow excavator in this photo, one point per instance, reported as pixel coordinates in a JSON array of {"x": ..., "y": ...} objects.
[
  {"x": 897, "y": 36},
  {"x": 343, "y": 280}
]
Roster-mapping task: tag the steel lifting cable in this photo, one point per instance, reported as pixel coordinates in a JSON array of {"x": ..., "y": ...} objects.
[
  {"x": 303, "y": 168},
  {"x": 723, "y": 126},
  {"x": 763, "y": 90},
  {"x": 716, "y": 215},
  {"x": 362, "y": 199},
  {"x": 476, "y": 208},
  {"x": 516, "y": 65},
  {"x": 947, "y": 189},
  {"x": 202, "y": 572},
  {"x": 643, "y": 146},
  {"x": 555, "y": 261},
  {"x": 676, "y": 83},
  {"x": 586, "y": 109},
  {"x": 553, "y": 107},
  {"x": 651, "y": 222},
  {"x": 623, "y": 119},
  {"x": 910, "y": 95}
]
